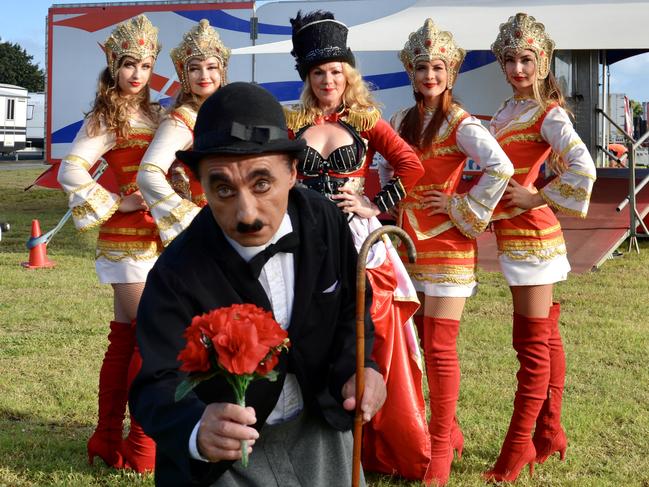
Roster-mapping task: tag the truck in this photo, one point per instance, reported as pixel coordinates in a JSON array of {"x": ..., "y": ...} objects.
[{"x": 259, "y": 34}]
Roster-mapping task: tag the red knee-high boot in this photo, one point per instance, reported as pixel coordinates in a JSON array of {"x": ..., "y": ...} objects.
[
  {"x": 138, "y": 449},
  {"x": 549, "y": 436},
  {"x": 105, "y": 442},
  {"x": 443, "y": 373},
  {"x": 530, "y": 340}
]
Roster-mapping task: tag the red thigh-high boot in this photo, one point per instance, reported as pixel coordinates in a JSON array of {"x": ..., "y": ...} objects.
[
  {"x": 443, "y": 372},
  {"x": 105, "y": 442},
  {"x": 549, "y": 436},
  {"x": 457, "y": 438},
  {"x": 530, "y": 340},
  {"x": 138, "y": 449}
]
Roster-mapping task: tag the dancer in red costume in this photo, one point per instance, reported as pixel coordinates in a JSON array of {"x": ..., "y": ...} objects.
[
  {"x": 119, "y": 128},
  {"x": 532, "y": 126},
  {"x": 444, "y": 224},
  {"x": 343, "y": 129},
  {"x": 201, "y": 62}
]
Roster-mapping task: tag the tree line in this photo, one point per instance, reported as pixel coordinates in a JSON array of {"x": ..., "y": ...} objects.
[{"x": 18, "y": 68}]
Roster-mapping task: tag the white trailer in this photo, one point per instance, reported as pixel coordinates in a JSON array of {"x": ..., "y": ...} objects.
[
  {"x": 36, "y": 121},
  {"x": 13, "y": 118}
]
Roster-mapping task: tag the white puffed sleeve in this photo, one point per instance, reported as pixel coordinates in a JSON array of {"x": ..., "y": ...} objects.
[
  {"x": 570, "y": 191},
  {"x": 171, "y": 212},
  {"x": 470, "y": 212},
  {"x": 91, "y": 203}
]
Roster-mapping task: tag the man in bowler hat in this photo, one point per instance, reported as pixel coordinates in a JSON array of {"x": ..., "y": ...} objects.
[{"x": 298, "y": 427}]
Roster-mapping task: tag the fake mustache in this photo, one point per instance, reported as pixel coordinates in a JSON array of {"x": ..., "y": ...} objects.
[{"x": 250, "y": 227}]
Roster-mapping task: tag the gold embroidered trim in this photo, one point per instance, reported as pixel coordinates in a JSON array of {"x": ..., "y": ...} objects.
[
  {"x": 456, "y": 118},
  {"x": 128, "y": 231},
  {"x": 92, "y": 203},
  {"x": 134, "y": 255},
  {"x": 111, "y": 211},
  {"x": 507, "y": 214},
  {"x": 200, "y": 200},
  {"x": 440, "y": 152},
  {"x": 132, "y": 187},
  {"x": 497, "y": 174},
  {"x": 445, "y": 278},
  {"x": 563, "y": 209},
  {"x": 539, "y": 254},
  {"x": 78, "y": 160},
  {"x": 521, "y": 138},
  {"x": 430, "y": 233},
  {"x": 530, "y": 244},
  {"x": 162, "y": 200},
  {"x": 83, "y": 186},
  {"x": 477, "y": 225},
  {"x": 522, "y": 170},
  {"x": 455, "y": 270},
  {"x": 135, "y": 131},
  {"x": 529, "y": 233},
  {"x": 176, "y": 215},
  {"x": 361, "y": 120},
  {"x": 568, "y": 191},
  {"x": 513, "y": 126},
  {"x": 479, "y": 203},
  {"x": 148, "y": 167},
  {"x": 443, "y": 254},
  {"x": 130, "y": 168},
  {"x": 110, "y": 246},
  {"x": 427, "y": 187},
  {"x": 582, "y": 174},
  {"x": 570, "y": 146},
  {"x": 185, "y": 115},
  {"x": 123, "y": 144}
]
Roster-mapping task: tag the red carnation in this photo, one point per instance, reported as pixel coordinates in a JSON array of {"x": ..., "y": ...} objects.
[{"x": 242, "y": 342}]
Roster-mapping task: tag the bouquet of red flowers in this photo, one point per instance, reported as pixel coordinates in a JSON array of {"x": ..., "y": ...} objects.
[{"x": 241, "y": 342}]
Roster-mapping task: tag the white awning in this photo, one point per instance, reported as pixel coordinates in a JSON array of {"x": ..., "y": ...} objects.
[{"x": 572, "y": 24}]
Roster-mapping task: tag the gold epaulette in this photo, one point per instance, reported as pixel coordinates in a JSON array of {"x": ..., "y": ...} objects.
[{"x": 360, "y": 119}]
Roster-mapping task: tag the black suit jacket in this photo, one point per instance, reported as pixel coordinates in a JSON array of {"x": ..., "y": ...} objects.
[{"x": 200, "y": 271}]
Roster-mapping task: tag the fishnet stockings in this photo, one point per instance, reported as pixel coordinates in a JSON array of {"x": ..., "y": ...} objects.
[
  {"x": 441, "y": 307},
  {"x": 126, "y": 299},
  {"x": 532, "y": 301}
]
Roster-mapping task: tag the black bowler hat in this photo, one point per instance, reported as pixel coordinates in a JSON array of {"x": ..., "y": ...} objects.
[
  {"x": 319, "y": 38},
  {"x": 240, "y": 118}
]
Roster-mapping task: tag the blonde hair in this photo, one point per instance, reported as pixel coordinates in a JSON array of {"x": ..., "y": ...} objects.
[
  {"x": 357, "y": 93},
  {"x": 113, "y": 109}
]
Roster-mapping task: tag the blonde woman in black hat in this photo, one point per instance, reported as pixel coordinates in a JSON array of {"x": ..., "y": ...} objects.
[
  {"x": 201, "y": 61},
  {"x": 119, "y": 128},
  {"x": 343, "y": 129}
]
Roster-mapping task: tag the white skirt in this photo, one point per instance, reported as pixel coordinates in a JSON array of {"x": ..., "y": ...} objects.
[
  {"x": 534, "y": 271},
  {"x": 445, "y": 289},
  {"x": 126, "y": 270}
]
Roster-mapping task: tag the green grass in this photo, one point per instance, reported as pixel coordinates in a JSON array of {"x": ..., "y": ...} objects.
[{"x": 53, "y": 334}]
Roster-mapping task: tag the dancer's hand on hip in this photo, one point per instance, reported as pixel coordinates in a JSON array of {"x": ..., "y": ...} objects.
[{"x": 525, "y": 197}]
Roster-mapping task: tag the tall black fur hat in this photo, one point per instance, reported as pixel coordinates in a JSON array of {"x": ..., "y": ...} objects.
[
  {"x": 319, "y": 38},
  {"x": 240, "y": 118}
]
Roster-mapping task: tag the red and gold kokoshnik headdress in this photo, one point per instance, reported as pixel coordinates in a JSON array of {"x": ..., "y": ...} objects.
[
  {"x": 135, "y": 37},
  {"x": 201, "y": 42},
  {"x": 429, "y": 43},
  {"x": 522, "y": 32}
]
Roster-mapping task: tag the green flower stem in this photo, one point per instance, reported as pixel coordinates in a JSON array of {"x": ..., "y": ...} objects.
[{"x": 240, "y": 384}]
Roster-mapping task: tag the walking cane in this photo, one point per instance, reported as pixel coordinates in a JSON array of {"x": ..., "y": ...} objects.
[{"x": 371, "y": 239}]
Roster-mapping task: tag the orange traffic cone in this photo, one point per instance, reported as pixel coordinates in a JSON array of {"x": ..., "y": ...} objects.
[{"x": 37, "y": 255}]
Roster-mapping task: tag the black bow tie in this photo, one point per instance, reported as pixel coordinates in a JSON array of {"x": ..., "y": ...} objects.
[{"x": 288, "y": 243}]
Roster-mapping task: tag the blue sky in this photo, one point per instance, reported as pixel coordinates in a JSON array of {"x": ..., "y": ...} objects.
[{"x": 24, "y": 22}]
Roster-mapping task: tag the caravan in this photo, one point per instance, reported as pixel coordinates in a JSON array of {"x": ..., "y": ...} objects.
[{"x": 13, "y": 118}]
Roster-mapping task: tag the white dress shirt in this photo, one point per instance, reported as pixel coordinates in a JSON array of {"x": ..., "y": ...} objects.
[{"x": 277, "y": 277}]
